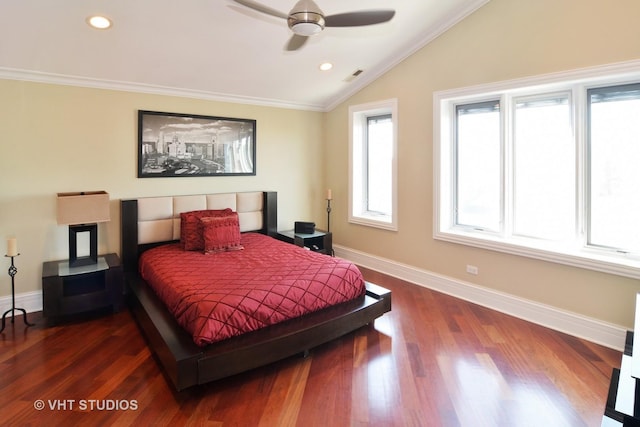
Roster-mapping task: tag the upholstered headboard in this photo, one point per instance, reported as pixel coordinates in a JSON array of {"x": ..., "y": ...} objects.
[{"x": 150, "y": 221}]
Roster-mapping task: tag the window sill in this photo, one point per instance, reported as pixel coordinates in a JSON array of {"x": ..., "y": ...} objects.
[
  {"x": 371, "y": 221},
  {"x": 618, "y": 264}
]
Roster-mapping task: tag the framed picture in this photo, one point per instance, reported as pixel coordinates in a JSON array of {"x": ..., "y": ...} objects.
[{"x": 187, "y": 145}]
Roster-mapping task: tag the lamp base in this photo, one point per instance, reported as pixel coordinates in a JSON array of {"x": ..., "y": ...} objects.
[{"x": 74, "y": 260}]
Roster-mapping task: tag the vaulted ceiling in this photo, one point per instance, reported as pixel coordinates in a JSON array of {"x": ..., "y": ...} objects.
[{"x": 214, "y": 49}]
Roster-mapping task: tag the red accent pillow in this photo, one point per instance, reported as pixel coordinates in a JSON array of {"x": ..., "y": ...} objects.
[
  {"x": 221, "y": 233},
  {"x": 191, "y": 228}
]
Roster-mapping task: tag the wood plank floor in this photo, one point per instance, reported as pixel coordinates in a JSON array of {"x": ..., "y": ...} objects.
[{"x": 433, "y": 361}]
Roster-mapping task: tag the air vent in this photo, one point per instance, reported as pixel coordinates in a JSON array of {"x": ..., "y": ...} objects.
[{"x": 353, "y": 75}]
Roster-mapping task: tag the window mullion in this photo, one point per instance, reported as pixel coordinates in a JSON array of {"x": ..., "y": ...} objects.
[
  {"x": 580, "y": 124},
  {"x": 506, "y": 224},
  {"x": 365, "y": 164}
]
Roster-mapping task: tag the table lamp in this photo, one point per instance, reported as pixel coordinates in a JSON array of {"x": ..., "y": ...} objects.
[{"x": 82, "y": 211}]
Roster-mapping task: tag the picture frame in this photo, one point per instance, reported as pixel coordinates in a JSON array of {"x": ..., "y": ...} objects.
[{"x": 189, "y": 145}]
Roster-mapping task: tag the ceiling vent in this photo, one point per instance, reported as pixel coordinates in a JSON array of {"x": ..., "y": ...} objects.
[{"x": 353, "y": 75}]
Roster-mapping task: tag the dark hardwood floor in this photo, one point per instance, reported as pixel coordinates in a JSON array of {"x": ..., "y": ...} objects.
[{"x": 433, "y": 361}]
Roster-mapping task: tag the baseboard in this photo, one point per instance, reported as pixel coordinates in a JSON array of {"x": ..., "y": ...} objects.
[
  {"x": 29, "y": 301},
  {"x": 607, "y": 334},
  {"x": 597, "y": 331}
]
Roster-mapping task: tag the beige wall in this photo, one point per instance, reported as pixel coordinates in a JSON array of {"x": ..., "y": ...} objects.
[
  {"x": 61, "y": 138},
  {"x": 505, "y": 39}
]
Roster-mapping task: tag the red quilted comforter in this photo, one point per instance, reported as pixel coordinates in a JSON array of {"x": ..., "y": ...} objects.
[{"x": 219, "y": 296}]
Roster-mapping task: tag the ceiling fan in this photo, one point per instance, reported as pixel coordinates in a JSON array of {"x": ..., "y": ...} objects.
[{"x": 306, "y": 19}]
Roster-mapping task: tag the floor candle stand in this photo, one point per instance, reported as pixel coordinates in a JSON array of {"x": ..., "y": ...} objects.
[
  {"x": 328, "y": 215},
  {"x": 330, "y": 252},
  {"x": 12, "y": 272}
]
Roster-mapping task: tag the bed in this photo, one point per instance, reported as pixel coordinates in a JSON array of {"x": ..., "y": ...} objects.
[{"x": 153, "y": 224}]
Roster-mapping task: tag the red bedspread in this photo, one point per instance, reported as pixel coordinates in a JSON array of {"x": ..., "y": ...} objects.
[{"x": 219, "y": 296}]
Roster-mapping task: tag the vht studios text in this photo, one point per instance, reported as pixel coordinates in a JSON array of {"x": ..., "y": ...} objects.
[{"x": 86, "y": 405}]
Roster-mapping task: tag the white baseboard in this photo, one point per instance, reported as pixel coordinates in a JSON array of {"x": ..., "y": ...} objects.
[
  {"x": 597, "y": 331},
  {"x": 29, "y": 301}
]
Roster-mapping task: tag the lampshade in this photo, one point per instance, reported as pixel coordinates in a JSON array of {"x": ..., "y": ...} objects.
[{"x": 86, "y": 207}]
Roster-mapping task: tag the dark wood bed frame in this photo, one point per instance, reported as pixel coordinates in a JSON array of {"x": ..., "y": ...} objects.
[{"x": 186, "y": 364}]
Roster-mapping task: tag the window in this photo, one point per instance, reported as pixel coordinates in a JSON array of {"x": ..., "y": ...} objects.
[
  {"x": 614, "y": 172},
  {"x": 545, "y": 168},
  {"x": 478, "y": 175},
  {"x": 372, "y": 154}
]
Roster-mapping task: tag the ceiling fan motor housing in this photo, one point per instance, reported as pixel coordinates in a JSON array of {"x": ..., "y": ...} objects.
[
  {"x": 306, "y": 23},
  {"x": 306, "y": 18}
]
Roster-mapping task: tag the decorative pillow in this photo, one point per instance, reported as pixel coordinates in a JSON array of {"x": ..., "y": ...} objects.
[
  {"x": 191, "y": 228},
  {"x": 221, "y": 233}
]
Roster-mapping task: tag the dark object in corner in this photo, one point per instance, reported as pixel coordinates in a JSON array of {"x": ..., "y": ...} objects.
[{"x": 304, "y": 227}]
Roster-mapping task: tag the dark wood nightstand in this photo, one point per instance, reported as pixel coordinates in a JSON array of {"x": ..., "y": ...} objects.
[
  {"x": 318, "y": 241},
  {"x": 71, "y": 291}
]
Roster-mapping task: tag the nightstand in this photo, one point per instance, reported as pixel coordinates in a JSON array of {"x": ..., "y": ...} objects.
[
  {"x": 318, "y": 241},
  {"x": 69, "y": 291}
]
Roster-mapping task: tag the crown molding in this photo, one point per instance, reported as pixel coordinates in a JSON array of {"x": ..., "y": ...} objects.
[
  {"x": 88, "y": 82},
  {"x": 67, "y": 80},
  {"x": 418, "y": 43}
]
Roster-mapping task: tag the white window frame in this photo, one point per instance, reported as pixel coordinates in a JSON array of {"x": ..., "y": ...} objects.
[
  {"x": 578, "y": 82},
  {"x": 358, "y": 213}
]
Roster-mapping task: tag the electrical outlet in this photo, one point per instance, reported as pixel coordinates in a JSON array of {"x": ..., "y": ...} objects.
[{"x": 472, "y": 269}]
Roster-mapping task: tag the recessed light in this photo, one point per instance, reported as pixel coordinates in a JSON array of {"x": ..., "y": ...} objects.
[
  {"x": 99, "y": 22},
  {"x": 326, "y": 66}
]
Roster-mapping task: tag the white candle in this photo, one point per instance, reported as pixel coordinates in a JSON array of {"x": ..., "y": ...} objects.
[
  {"x": 329, "y": 194},
  {"x": 12, "y": 246}
]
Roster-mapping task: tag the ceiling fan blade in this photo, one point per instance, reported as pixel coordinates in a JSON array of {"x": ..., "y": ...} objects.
[
  {"x": 262, "y": 8},
  {"x": 296, "y": 42},
  {"x": 356, "y": 19}
]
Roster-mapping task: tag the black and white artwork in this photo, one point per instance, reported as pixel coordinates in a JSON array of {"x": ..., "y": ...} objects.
[{"x": 183, "y": 145}]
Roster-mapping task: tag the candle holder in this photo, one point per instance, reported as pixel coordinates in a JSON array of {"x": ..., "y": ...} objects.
[
  {"x": 12, "y": 272},
  {"x": 328, "y": 215}
]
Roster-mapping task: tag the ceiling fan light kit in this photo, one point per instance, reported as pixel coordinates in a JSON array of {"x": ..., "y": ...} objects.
[
  {"x": 306, "y": 23},
  {"x": 306, "y": 19}
]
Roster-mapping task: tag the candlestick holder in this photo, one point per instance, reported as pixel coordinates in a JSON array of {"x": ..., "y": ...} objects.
[
  {"x": 12, "y": 272},
  {"x": 328, "y": 215}
]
